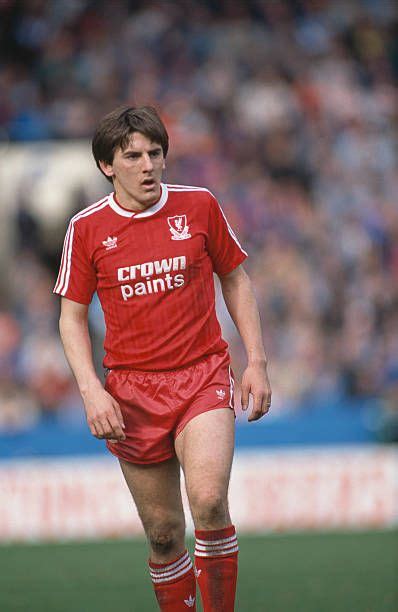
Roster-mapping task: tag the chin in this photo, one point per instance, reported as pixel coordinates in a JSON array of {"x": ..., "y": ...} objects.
[
  {"x": 151, "y": 197},
  {"x": 154, "y": 192}
]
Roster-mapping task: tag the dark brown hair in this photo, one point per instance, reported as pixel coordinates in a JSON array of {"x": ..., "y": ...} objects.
[{"x": 114, "y": 130}]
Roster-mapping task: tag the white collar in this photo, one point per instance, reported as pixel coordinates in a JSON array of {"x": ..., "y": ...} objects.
[{"x": 145, "y": 213}]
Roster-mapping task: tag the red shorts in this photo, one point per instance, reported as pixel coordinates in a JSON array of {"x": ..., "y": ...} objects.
[{"x": 156, "y": 406}]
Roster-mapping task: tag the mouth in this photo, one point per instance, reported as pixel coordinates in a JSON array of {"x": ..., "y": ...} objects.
[{"x": 149, "y": 183}]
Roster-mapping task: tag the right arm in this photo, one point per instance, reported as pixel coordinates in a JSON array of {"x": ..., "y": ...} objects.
[{"x": 103, "y": 413}]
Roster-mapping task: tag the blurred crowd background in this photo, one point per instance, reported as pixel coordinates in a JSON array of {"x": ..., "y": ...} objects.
[{"x": 287, "y": 111}]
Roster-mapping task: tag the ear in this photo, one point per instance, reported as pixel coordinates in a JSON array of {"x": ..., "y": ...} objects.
[
  {"x": 106, "y": 168},
  {"x": 164, "y": 165}
]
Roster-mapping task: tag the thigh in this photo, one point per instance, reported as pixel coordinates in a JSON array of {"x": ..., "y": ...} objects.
[
  {"x": 156, "y": 491},
  {"x": 211, "y": 387},
  {"x": 205, "y": 450},
  {"x": 146, "y": 405}
]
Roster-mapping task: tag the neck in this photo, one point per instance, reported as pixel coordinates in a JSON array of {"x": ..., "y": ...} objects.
[{"x": 127, "y": 200}]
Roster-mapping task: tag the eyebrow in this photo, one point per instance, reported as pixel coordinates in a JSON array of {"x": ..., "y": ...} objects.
[{"x": 131, "y": 151}]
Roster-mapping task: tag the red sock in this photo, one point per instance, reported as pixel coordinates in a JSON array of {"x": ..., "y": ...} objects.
[
  {"x": 174, "y": 584},
  {"x": 216, "y": 568}
]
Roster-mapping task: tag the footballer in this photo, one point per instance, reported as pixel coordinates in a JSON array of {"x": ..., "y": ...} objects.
[{"x": 149, "y": 249}]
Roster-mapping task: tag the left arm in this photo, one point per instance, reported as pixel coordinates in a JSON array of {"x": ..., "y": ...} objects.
[{"x": 242, "y": 306}]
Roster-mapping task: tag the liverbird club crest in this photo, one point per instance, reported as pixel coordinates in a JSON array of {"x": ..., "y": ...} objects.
[{"x": 178, "y": 227}]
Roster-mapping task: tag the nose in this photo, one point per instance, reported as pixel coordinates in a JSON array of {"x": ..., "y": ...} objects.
[{"x": 147, "y": 163}]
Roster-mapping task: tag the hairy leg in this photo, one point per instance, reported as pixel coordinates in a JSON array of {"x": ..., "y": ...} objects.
[
  {"x": 205, "y": 451},
  {"x": 155, "y": 489}
]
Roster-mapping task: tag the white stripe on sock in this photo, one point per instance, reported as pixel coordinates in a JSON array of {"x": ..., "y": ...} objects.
[
  {"x": 168, "y": 576},
  {"x": 213, "y": 542},
  {"x": 217, "y": 547},
  {"x": 174, "y": 565},
  {"x": 167, "y": 573},
  {"x": 217, "y": 553}
]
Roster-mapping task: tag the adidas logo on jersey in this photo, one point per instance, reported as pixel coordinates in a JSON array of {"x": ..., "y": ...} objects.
[
  {"x": 178, "y": 227},
  {"x": 190, "y": 601},
  {"x": 110, "y": 243},
  {"x": 220, "y": 393}
]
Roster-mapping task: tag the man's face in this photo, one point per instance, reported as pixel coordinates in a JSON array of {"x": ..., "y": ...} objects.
[{"x": 137, "y": 170}]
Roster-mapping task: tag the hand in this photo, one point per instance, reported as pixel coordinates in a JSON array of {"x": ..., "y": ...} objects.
[
  {"x": 255, "y": 381},
  {"x": 104, "y": 416}
]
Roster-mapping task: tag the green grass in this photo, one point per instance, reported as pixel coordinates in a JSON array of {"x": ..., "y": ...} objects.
[{"x": 352, "y": 572}]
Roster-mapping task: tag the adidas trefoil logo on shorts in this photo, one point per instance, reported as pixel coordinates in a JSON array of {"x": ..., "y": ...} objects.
[
  {"x": 110, "y": 243},
  {"x": 197, "y": 572},
  {"x": 220, "y": 393},
  {"x": 178, "y": 227},
  {"x": 190, "y": 601}
]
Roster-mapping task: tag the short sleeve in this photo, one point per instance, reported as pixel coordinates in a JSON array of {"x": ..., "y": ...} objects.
[
  {"x": 224, "y": 248},
  {"x": 76, "y": 280}
]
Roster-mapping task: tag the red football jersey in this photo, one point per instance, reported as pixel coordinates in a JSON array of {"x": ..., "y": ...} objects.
[{"x": 153, "y": 272}]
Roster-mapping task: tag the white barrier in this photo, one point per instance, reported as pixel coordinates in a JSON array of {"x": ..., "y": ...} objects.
[{"x": 279, "y": 490}]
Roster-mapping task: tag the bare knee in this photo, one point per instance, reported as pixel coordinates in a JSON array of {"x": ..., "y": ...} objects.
[
  {"x": 162, "y": 542},
  {"x": 166, "y": 538},
  {"x": 209, "y": 509}
]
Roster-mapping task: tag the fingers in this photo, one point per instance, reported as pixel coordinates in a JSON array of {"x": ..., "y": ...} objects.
[
  {"x": 261, "y": 405},
  {"x": 114, "y": 428},
  {"x": 119, "y": 415},
  {"x": 266, "y": 403},
  {"x": 95, "y": 428},
  {"x": 244, "y": 396},
  {"x": 256, "y": 410},
  {"x": 108, "y": 425}
]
